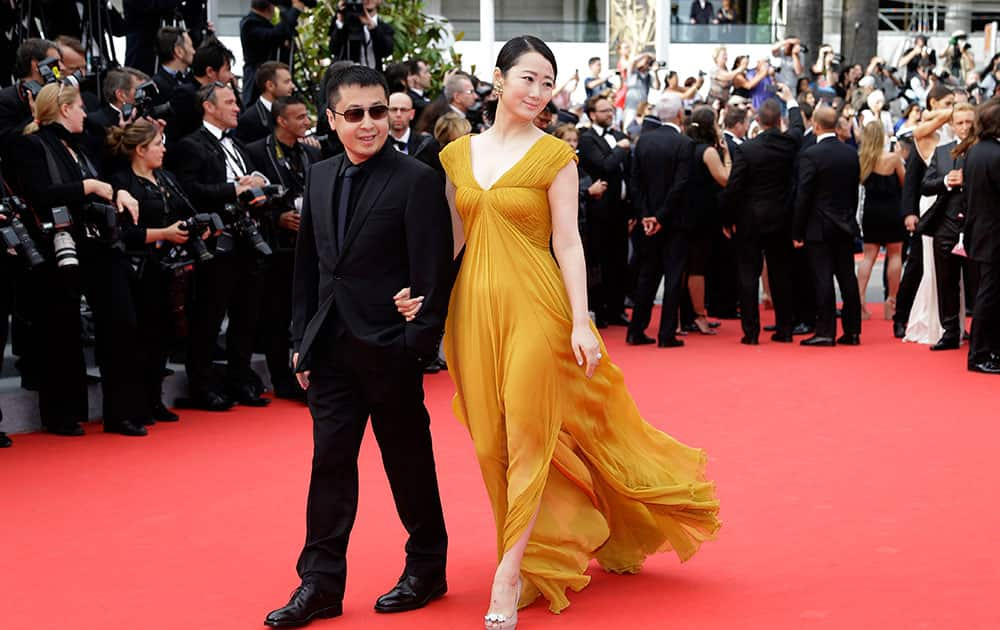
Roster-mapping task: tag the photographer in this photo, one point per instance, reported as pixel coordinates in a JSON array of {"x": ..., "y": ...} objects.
[
  {"x": 262, "y": 40},
  {"x": 176, "y": 51},
  {"x": 142, "y": 20},
  {"x": 958, "y": 56},
  {"x": 359, "y": 36},
  {"x": 119, "y": 97},
  {"x": 284, "y": 159},
  {"x": 162, "y": 205},
  {"x": 15, "y": 100},
  {"x": 919, "y": 56},
  {"x": 274, "y": 81},
  {"x": 214, "y": 169},
  {"x": 62, "y": 185},
  {"x": 418, "y": 81},
  {"x": 790, "y": 66},
  {"x": 212, "y": 63}
]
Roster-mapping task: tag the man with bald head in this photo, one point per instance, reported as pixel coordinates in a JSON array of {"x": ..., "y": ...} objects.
[
  {"x": 825, "y": 207},
  {"x": 403, "y": 138}
]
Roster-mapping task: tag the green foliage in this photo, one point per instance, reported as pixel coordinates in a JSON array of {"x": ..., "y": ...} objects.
[{"x": 417, "y": 36}]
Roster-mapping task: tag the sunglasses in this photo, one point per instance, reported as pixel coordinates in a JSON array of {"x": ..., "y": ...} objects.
[
  {"x": 357, "y": 114},
  {"x": 209, "y": 94}
]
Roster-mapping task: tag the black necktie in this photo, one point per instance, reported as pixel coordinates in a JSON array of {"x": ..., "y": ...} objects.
[{"x": 344, "y": 202}]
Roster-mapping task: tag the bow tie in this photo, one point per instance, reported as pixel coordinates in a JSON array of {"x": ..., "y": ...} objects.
[
  {"x": 399, "y": 144},
  {"x": 229, "y": 133},
  {"x": 607, "y": 132}
]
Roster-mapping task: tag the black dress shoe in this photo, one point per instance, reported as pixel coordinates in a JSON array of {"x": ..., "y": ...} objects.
[
  {"x": 307, "y": 603},
  {"x": 669, "y": 342},
  {"x": 206, "y": 402},
  {"x": 639, "y": 340},
  {"x": 4, "y": 440},
  {"x": 247, "y": 396},
  {"x": 432, "y": 367},
  {"x": 748, "y": 340},
  {"x": 990, "y": 365},
  {"x": 618, "y": 320},
  {"x": 290, "y": 391},
  {"x": 126, "y": 427},
  {"x": 824, "y": 342},
  {"x": 73, "y": 429},
  {"x": 780, "y": 338},
  {"x": 898, "y": 330},
  {"x": 771, "y": 328},
  {"x": 410, "y": 593},
  {"x": 802, "y": 329},
  {"x": 160, "y": 413},
  {"x": 947, "y": 344},
  {"x": 146, "y": 422},
  {"x": 849, "y": 339}
]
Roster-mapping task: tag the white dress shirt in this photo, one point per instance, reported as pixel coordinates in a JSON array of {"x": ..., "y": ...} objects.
[{"x": 235, "y": 168}]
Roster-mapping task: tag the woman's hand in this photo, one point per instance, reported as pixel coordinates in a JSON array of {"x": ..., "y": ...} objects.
[
  {"x": 99, "y": 188},
  {"x": 596, "y": 190},
  {"x": 126, "y": 202},
  {"x": 407, "y": 307},
  {"x": 175, "y": 233},
  {"x": 586, "y": 347}
]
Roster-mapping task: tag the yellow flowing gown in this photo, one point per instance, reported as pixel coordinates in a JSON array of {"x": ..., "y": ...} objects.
[{"x": 605, "y": 483}]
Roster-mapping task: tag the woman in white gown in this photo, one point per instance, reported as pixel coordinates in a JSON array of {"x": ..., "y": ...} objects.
[{"x": 924, "y": 325}]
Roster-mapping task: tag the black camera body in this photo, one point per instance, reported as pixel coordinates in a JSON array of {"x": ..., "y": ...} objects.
[
  {"x": 195, "y": 226},
  {"x": 13, "y": 233},
  {"x": 101, "y": 222},
  {"x": 243, "y": 227},
  {"x": 49, "y": 69},
  {"x": 145, "y": 103}
]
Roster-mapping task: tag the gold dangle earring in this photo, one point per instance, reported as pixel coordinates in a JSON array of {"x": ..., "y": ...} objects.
[{"x": 498, "y": 89}]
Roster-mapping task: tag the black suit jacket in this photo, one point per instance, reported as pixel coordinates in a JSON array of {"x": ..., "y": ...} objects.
[
  {"x": 826, "y": 201},
  {"x": 255, "y": 123},
  {"x": 199, "y": 163},
  {"x": 263, "y": 41},
  {"x": 382, "y": 37},
  {"x": 262, "y": 154},
  {"x": 399, "y": 236},
  {"x": 982, "y": 190},
  {"x": 661, "y": 168},
  {"x": 702, "y": 16},
  {"x": 949, "y": 204},
  {"x": 419, "y": 103},
  {"x": 15, "y": 114},
  {"x": 600, "y": 161},
  {"x": 758, "y": 197}
]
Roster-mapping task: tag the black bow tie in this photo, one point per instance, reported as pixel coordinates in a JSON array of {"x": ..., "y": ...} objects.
[
  {"x": 607, "y": 132},
  {"x": 399, "y": 144}
]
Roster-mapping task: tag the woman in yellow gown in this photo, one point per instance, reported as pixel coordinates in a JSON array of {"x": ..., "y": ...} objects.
[{"x": 572, "y": 470}]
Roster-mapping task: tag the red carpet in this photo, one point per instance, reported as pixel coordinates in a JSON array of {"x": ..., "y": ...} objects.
[{"x": 857, "y": 489}]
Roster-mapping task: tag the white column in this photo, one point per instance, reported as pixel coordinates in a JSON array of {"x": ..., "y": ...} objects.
[
  {"x": 662, "y": 42},
  {"x": 487, "y": 35},
  {"x": 958, "y": 16}
]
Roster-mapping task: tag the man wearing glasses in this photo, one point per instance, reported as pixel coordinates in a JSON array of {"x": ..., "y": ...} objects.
[
  {"x": 372, "y": 223},
  {"x": 403, "y": 138}
]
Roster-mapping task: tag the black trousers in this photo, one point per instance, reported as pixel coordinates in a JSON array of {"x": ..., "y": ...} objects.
[
  {"x": 226, "y": 284},
  {"x": 663, "y": 256},
  {"x": 275, "y": 317},
  {"x": 829, "y": 259},
  {"x": 607, "y": 239},
  {"x": 913, "y": 272},
  {"x": 722, "y": 282},
  {"x": 986, "y": 316},
  {"x": 349, "y": 383},
  {"x": 803, "y": 291},
  {"x": 948, "y": 272},
  {"x": 153, "y": 314},
  {"x": 752, "y": 250}
]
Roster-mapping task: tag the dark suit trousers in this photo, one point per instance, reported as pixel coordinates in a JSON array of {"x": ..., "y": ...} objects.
[
  {"x": 349, "y": 382},
  {"x": 752, "y": 250},
  {"x": 913, "y": 272},
  {"x": 608, "y": 243},
  {"x": 722, "y": 288},
  {"x": 948, "y": 271},
  {"x": 804, "y": 293},
  {"x": 275, "y": 317},
  {"x": 227, "y": 283},
  {"x": 986, "y": 317},
  {"x": 829, "y": 259},
  {"x": 664, "y": 255}
]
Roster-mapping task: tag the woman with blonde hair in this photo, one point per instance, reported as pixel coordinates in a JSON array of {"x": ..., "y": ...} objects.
[
  {"x": 720, "y": 77},
  {"x": 53, "y": 171},
  {"x": 881, "y": 223},
  {"x": 450, "y": 127}
]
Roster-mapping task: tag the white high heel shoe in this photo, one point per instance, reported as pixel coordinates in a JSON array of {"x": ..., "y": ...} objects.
[{"x": 497, "y": 621}]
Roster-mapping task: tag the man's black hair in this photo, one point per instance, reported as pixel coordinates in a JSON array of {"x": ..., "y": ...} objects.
[
  {"x": 168, "y": 38},
  {"x": 284, "y": 102},
  {"x": 361, "y": 76},
  {"x": 33, "y": 49},
  {"x": 211, "y": 54}
]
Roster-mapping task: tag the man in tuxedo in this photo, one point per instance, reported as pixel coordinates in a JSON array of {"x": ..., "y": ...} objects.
[
  {"x": 826, "y": 202},
  {"x": 274, "y": 81},
  {"x": 604, "y": 155},
  {"x": 176, "y": 52},
  {"x": 212, "y": 63},
  {"x": 370, "y": 226},
  {"x": 283, "y": 159},
  {"x": 702, "y": 12},
  {"x": 422, "y": 146},
  {"x": 944, "y": 221},
  {"x": 418, "y": 81},
  {"x": 214, "y": 169},
  {"x": 263, "y": 41},
  {"x": 803, "y": 291},
  {"x": 661, "y": 167},
  {"x": 722, "y": 289},
  {"x": 757, "y": 204},
  {"x": 981, "y": 180},
  {"x": 913, "y": 268},
  {"x": 119, "y": 91}
]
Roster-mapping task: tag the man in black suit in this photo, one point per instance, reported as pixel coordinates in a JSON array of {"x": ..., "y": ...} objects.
[
  {"x": 604, "y": 155},
  {"x": 263, "y": 40},
  {"x": 757, "y": 203},
  {"x": 944, "y": 221},
  {"x": 212, "y": 63},
  {"x": 803, "y": 291},
  {"x": 981, "y": 180},
  {"x": 143, "y": 19},
  {"x": 913, "y": 268},
  {"x": 176, "y": 51},
  {"x": 418, "y": 81},
  {"x": 702, "y": 12},
  {"x": 370, "y": 226},
  {"x": 422, "y": 146},
  {"x": 214, "y": 169},
  {"x": 15, "y": 112},
  {"x": 362, "y": 38},
  {"x": 661, "y": 169},
  {"x": 283, "y": 158},
  {"x": 274, "y": 81},
  {"x": 722, "y": 288},
  {"x": 826, "y": 202}
]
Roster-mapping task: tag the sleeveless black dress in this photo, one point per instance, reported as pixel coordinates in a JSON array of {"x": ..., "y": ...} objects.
[{"x": 882, "y": 221}]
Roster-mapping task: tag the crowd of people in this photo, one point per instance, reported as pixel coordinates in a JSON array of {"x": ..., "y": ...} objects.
[{"x": 169, "y": 201}]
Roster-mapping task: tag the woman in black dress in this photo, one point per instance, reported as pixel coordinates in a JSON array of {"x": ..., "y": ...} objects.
[
  {"x": 709, "y": 175},
  {"x": 150, "y": 241},
  {"x": 881, "y": 221}
]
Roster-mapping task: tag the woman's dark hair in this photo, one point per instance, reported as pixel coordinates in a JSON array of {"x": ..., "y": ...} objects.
[
  {"x": 799, "y": 88},
  {"x": 938, "y": 92},
  {"x": 739, "y": 59},
  {"x": 508, "y": 57},
  {"x": 702, "y": 129}
]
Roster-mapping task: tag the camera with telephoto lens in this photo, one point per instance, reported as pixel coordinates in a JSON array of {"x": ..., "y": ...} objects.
[
  {"x": 242, "y": 227},
  {"x": 62, "y": 240},
  {"x": 197, "y": 225},
  {"x": 13, "y": 233},
  {"x": 101, "y": 223},
  {"x": 145, "y": 103}
]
